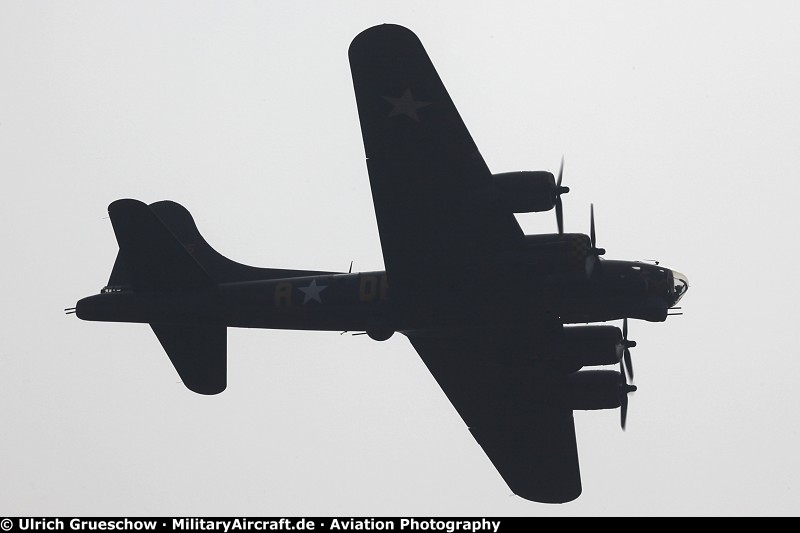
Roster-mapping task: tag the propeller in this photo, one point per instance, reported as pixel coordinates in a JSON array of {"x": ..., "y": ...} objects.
[
  {"x": 626, "y": 352},
  {"x": 624, "y": 390},
  {"x": 626, "y": 372},
  {"x": 594, "y": 253},
  {"x": 559, "y": 190},
  {"x": 592, "y": 237}
]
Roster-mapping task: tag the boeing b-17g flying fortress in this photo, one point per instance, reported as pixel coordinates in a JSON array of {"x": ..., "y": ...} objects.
[{"x": 490, "y": 310}]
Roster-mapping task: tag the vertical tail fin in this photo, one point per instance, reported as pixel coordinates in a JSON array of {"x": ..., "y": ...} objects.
[
  {"x": 151, "y": 258},
  {"x": 162, "y": 257},
  {"x": 180, "y": 223}
]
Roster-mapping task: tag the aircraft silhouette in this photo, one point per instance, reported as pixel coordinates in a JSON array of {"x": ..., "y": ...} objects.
[{"x": 489, "y": 309}]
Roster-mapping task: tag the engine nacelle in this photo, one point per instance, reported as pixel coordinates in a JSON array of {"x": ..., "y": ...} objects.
[
  {"x": 592, "y": 390},
  {"x": 590, "y": 346},
  {"x": 526, "y": 191}
]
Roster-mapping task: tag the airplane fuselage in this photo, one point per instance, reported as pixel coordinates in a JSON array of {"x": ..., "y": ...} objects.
[{"x": 362, "y": 302}]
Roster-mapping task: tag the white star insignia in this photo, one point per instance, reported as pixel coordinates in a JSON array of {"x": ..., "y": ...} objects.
[
  {"x": 312, "y": 292},
  {"x": 406, "y": 105}
]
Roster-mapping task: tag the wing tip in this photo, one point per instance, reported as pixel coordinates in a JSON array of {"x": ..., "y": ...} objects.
[
  {"x": 379, "y": 34},
  {"x": 549, "y": 489},
  {"x": 207, "y": 388}
]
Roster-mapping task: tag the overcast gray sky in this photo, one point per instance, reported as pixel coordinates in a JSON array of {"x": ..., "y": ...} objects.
[{"x": 680, "y": 121}]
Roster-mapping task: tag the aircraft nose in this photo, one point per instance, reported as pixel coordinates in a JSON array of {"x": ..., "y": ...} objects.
[{"x": 680, "y": 284}]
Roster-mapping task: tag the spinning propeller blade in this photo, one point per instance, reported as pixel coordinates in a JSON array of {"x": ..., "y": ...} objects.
[
  {"x": 559, "y": 190},
  {"x": 593, "y": 259},
  {"x": 623, "y": 408},
  {"x": 626, "y": 354}
]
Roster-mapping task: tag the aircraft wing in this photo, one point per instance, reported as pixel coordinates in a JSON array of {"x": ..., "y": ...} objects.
[
  {"x": 511, "y": 408},
  {"x": 439, "y": 230},
  {"x": 429, "y": 182}
]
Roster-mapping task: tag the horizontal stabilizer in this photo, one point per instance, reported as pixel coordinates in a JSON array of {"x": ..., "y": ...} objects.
[
  {"x": 198, "y": 353},
  {"x": 149, "y": 254}
]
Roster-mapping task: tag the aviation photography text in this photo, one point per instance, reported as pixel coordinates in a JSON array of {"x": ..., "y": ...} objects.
[{"x": 230, "y": 525}]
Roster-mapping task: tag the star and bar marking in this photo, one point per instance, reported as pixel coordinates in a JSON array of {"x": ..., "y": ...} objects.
[
  {"x": 312, "y": 292},
  {"x": 406, "y": 105}
]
